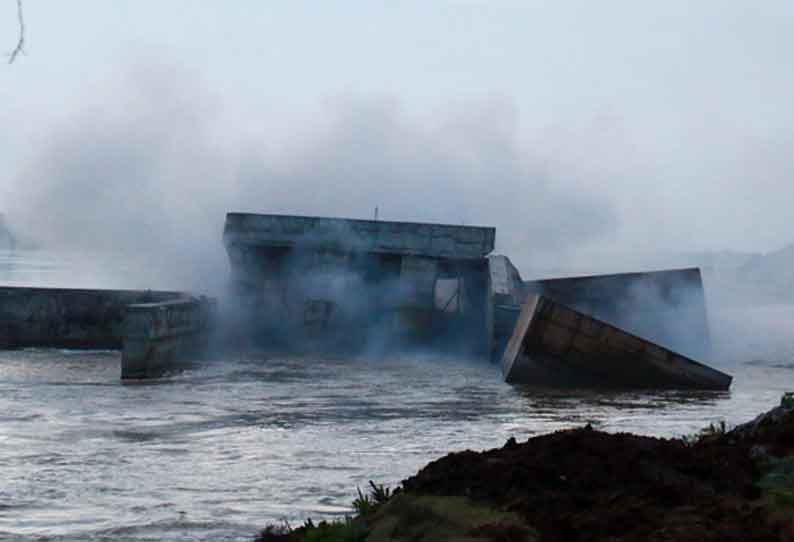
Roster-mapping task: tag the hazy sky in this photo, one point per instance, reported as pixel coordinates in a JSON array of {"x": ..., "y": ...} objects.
[{"x": 571, "y": 126}]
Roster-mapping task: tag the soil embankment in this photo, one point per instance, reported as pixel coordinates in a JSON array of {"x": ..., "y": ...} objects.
[{"x": 586, "y": 485}]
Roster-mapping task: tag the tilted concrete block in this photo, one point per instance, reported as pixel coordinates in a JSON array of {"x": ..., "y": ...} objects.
[{"x": 542, "y": 352}]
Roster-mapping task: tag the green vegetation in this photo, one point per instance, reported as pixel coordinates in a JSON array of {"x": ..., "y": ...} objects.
[
  {"x": 365, "y": 504},
  {"x": 412, "y": 518},
  {"x": 787, "y": 400},
  {"x": 777, "y": 483},
  {"x": 347, "y": 530},
  {"x": 714, "y": 429},
  {"x": 383, "y": 515}
]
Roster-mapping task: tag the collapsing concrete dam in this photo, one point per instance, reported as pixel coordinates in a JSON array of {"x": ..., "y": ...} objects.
[
  {"x": 639, "y": 330},
  {"x": 353, "y": 284},
  {"x": 303, "y": 284},
  {"x": 357, "y": 284}
]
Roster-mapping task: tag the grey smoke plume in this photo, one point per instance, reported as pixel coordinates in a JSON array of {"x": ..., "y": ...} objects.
[
  {"x": 137, "y": 185},
  {"x": 132, "y": 184},
  {"x": 470, "y": 168},
  {"x": 140, "y": 181}
]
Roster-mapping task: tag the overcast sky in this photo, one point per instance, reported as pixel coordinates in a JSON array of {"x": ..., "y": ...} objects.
[{"x": 571, "y": 126}]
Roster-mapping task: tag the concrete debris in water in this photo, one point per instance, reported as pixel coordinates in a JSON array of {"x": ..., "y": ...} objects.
[
  {"x": 337, "y": 285},
  {"x": 619, "y": 330},
  {"x": 665, "y": 307},
  {"x": 553, "y": 344}
]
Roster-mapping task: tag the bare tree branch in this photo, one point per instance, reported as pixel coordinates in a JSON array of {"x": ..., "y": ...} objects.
[{"x": 20, "y": 48}]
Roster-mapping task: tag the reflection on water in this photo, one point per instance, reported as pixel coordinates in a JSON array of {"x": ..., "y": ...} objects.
[{"x": 219, "y": 450}]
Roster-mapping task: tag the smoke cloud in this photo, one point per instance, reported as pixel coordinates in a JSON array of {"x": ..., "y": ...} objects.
[
  {"x": 140, "y": 181},
  {"x": 134, "y": 184}
]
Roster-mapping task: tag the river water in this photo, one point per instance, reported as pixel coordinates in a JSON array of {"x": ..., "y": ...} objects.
[{"x": 218, "y": 451}]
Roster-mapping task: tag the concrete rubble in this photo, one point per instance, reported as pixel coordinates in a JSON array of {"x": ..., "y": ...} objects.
[
  {"x": 667, "y": 307},
  {"x": 555, "y": 345},
  {"x": 664, "y": 310},
  {"x": 311, "y": 283}
]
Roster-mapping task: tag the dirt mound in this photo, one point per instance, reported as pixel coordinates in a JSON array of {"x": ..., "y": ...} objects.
[
  {"x": 771, "y": 433},
  {"x": 583, "y": 484}
]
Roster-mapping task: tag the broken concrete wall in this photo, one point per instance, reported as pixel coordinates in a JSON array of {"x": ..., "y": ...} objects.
[
  {"x": 302, "y": 279},
  {"x": 506, "y": 293},
  {"x": 558, "y": 346},
  {"x": 297, "y": 296},
  {"x": 67, "y": 318},
  {"x": 160, "y": 336},
  {"x": 360, "y": 298},
  {"x": 417, "y": 282},
  {"x": 666, "y": 307}
]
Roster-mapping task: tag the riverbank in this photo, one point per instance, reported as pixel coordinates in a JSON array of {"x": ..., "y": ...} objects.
[{"x": 583, "y": 484}]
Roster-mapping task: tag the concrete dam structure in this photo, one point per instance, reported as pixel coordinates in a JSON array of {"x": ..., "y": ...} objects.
[
  {"x": 356, "y": 284},
  {"x": 68, "y": 317},
  {"x": 154, "y": 329},
  {"x": 339, "y": 286}
]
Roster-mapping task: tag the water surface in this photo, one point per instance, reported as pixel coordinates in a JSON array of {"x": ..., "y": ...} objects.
[{"x": 217, "y": 451}]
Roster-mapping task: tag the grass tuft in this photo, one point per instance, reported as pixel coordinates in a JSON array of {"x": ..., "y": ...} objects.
[
  {"x": 366, "y": 504},
  {"x": 713, "y": 430}
]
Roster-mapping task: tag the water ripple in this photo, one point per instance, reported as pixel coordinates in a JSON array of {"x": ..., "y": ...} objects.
[{"x": 215, "y": 452}]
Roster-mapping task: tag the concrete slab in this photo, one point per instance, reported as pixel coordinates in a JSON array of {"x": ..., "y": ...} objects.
[
  {"x": 506, "y": 292},
  {"x": 665, "y": 307},
  {"x": 375, "y": 236},
  {"x": 506, "y": 285},
  {"x": 553, "y": 344},
  {"x": 160, "y": 336}
]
